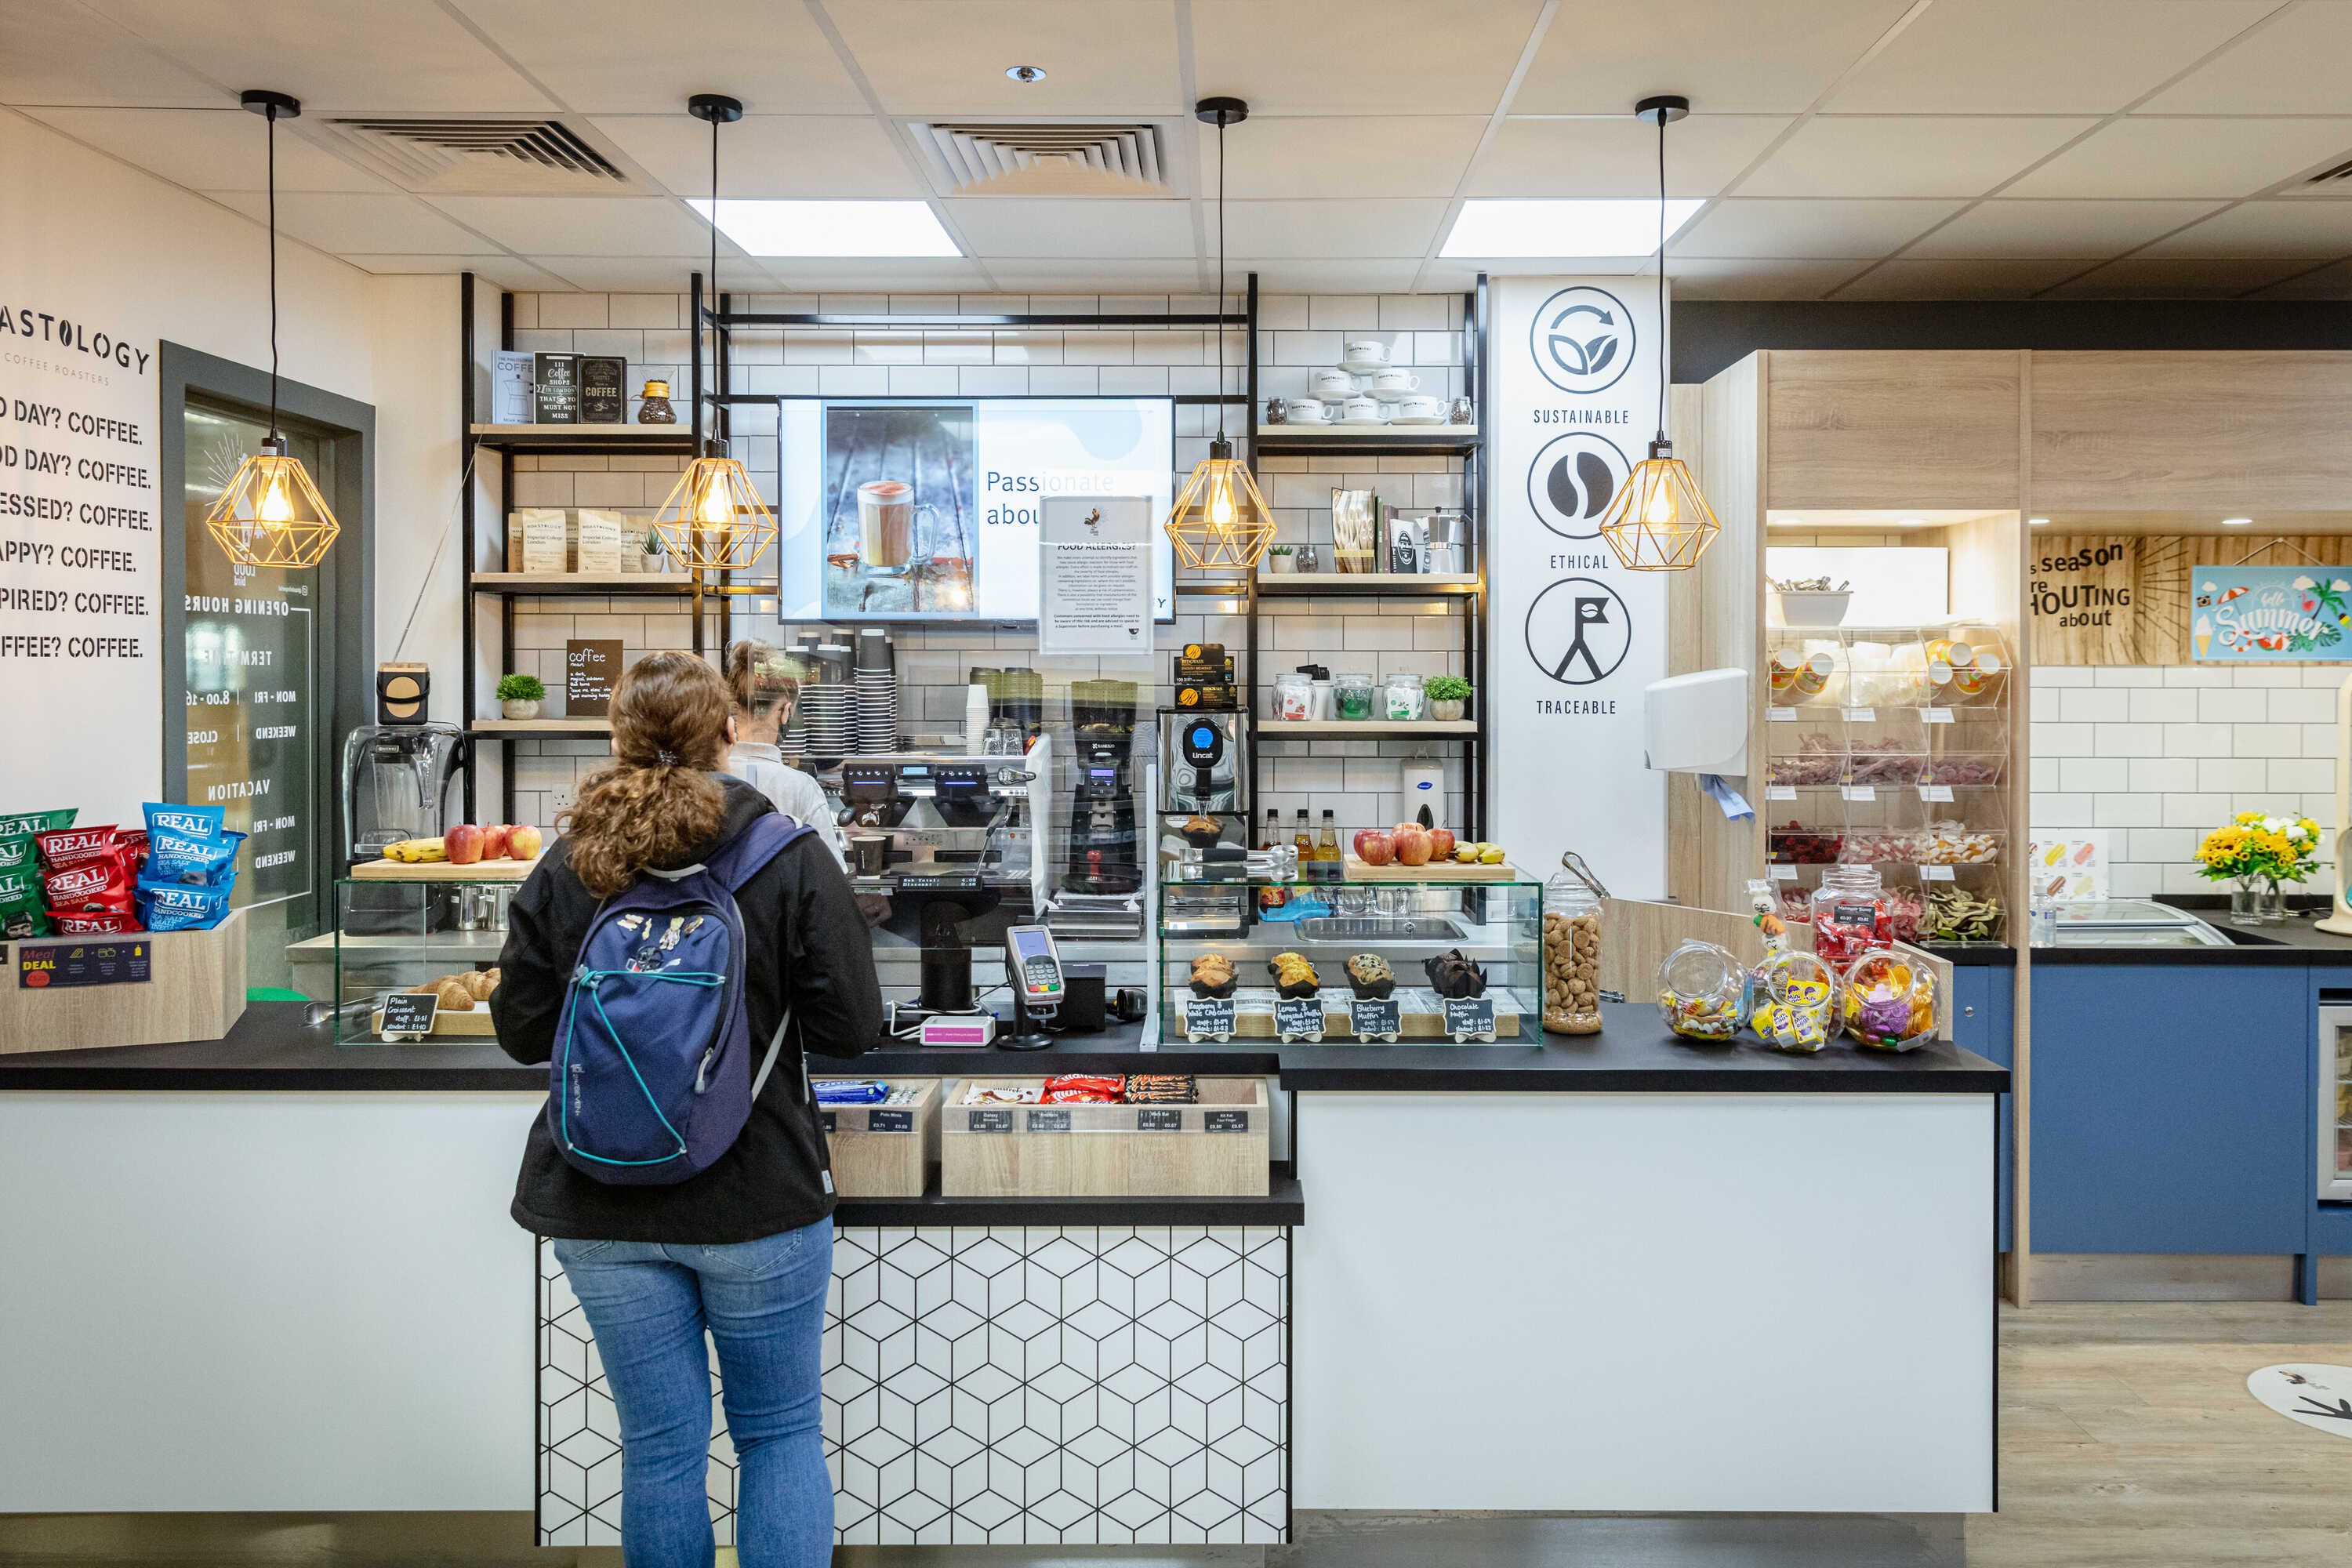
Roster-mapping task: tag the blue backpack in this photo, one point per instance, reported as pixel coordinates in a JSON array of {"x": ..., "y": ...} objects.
[{"x": 651, "y": 1078}]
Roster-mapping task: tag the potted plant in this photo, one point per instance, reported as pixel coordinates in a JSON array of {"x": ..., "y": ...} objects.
[
  {"x": 2258, "y": 853},
  {"x": 653, "y": 554},
  {"x": 1279, "y": 559},
  {"x": 1448, "y": 695},
  {"x": 521, "y": 695}
]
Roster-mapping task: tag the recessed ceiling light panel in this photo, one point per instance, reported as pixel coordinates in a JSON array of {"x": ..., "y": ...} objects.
[
  {"x": 1564, "y": 228},
  {"x": 2236, "y": 522},
  {"x": 831, "y": 228}
]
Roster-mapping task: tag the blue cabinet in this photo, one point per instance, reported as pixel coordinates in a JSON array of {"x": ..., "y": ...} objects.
[
  {"x": 1983, "y": 1009},
  {"x": 2169, "y": 1107}
]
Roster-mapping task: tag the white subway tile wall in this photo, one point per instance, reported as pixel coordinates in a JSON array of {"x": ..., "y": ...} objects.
[
  {"x": 1358, "y": 781},
  {"x": 2149, "y": 758}
]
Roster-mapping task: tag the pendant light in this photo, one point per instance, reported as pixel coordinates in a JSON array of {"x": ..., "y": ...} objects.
[
  {"x": 1659, "y": 521},
  {"x": 713, "y": 519},
  {"x": 271, "y": 514},
  {"x": 1220, "y": 522}
]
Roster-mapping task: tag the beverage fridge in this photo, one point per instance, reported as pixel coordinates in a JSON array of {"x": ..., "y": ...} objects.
[{"x": 2335, "y": 1104}]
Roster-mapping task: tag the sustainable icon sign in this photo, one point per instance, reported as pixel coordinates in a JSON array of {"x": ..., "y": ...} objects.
[
  {"x": 1579, "y": 631},
  {"x": 1582, "y": 340},
  {"x": 1571, "y": 481},
  {"x": 2250, "y": 612}
]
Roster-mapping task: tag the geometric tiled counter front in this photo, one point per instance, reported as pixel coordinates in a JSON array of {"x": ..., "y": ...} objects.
[{"x": 999, "y": 1385}]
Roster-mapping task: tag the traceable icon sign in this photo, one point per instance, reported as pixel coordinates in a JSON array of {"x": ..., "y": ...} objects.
[
  {"x": 1579, "y": 631},
  {"x": 1582, "y": 339},
  {"x": 1572, "y": 481}
]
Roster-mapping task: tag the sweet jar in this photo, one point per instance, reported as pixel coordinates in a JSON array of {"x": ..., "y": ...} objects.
[
  {"x": 1889, "y": 1003},
  {"x": 1293, "y": 697},
  {"x": 1850, "y": 914},
  {"x": 1571, "y": 949},
  {"x": 1796, "y": 1008},
  {"x": 1353, "y": 694},
  {"x": 1407, "y": 701},
  {"x": 1699, "y": 991}
]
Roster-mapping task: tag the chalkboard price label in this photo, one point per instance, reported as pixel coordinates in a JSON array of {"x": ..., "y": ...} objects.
[
  {"x": 1470, "y": 1017},
  {"x": 991, "y": 1121},
  {"x": 1298, "y": 1019},
  {"x": 1224, "y": 1121},
  {"x": 1055, "y": 1121},
  {"x": 1371, "y": 1020},
  {"x": 1209, "y": 1018},
  {"x": 1160, "y": 1120},
  {"x": 405, "y": 1013},
  {"x": 890, "y": 1122}
]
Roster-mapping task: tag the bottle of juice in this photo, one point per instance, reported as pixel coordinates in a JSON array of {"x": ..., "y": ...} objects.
[
  {"x": 1271, "y": 895},
  {"x": 1304, "y": 842},
  {"x": 1327, "y": 863}
]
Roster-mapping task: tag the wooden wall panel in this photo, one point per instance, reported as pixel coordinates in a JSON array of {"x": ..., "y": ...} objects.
[
  {"x": 1894, "y": 431},
  {"x": 2126, "y": 596},
  {"x": 2230, "y": 432}
]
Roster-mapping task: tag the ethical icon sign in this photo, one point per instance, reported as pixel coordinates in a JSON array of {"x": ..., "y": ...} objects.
[
  {"x": 1572, "y": 480},
  {"x": 1583, "y": 339},
  {"x": 1579, "y": 631}
]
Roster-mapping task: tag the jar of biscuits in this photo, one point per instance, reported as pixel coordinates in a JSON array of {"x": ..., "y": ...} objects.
[{"x": 1571, "y": 949}]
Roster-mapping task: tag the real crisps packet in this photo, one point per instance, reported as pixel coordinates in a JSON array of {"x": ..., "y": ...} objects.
[
  {"x": 198, "y": 822},
  {"x": 25, "y": 824},
  {"x": 170, "y": 907},
  {"x": 174, "y": 857}
]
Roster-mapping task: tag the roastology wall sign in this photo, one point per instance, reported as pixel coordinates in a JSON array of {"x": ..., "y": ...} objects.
[
  {"x": 2243, "y": 613},
  {"x": 1576, "y": 636}
]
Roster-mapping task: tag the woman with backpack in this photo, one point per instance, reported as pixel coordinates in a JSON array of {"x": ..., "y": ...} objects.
[{"x": 682, "y": 1171}]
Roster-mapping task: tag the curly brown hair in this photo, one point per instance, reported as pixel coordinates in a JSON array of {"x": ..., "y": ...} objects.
[{"x": 656, "y": 805}]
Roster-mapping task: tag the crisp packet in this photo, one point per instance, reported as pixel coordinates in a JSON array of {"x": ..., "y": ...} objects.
[
  {"x": 18, "y": 853},
  {"x": 99, "y": 887},
  {"x": 26, "y": 823},
  {"x": 174, "y": 857},
  {"x": 64, "y": 846},
  {"x": 170, "y": 907},
  {"x": 95, "y": 925},
  {"x": 23, "y": 912},
  {"x": 199, "y": 822}
]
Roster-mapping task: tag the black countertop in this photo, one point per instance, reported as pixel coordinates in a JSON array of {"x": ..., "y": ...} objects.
[
  {"x": 271, "y": 1049},
  {"x": 2293, "y": 945}
]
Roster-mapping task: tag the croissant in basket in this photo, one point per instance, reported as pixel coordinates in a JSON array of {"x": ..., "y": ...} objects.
[
  {"x": 1212, "y": 975},
  {"x": 1293, "y": 975},
  {"x": 1370, "y": 976},
  {"x": 1451, "y": 974}
]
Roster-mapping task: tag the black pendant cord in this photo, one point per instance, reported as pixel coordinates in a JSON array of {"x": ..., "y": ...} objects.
[
  {"x": 714, "y": 210},
  {"x": 1661, "y": 276},
  {"x": 272, "y": 117},
  {"x": 1221, "y": 280}
]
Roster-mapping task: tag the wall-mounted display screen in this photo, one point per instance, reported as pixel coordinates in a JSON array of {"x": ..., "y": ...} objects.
[{"x": 929, "y": 508}]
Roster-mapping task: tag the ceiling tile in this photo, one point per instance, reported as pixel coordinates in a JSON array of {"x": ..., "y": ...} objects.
[
  {"x": 208, "y": 150},
  {"x": 769, "y": 155},
  {"x": 1618, "y": 156},
  {"x": 343, "y": 224},
  {"x": 654, "y": 274},
  {"x": 1906, "y": 155},
  {"x": 942, "y": 58},
  {"x": 1365, "y": 228},
  {"x": 1090, "y": 277},
  {"x": 59, "y": 53},
  {"x": 2197, "y": 157},
  {"x": 1064, "y": 229},
  {"x": 506, "y": 271},
  {"x": 2030, "y": 228},
  {"x": 407, "y": 54},
  {"x": 1329, "y": 275},
  {"x": 1541, "y": 265},
  {"x": 2178, "y": 277},
  {"x": 585, "y": 225},
  {"x": 1347, "y": 57},
  {"x": 1741, "y": 228},
  {"x": 1727, "y": 56},
  {"x": 1962, "y": 278},
  {"x": 880, "y": 274},
  {"x": 1700, "y": 277},
  {"x": 625, "y": 57},
  {"x": 1387, "y": 156},
  {"x": 2292, "y": 65},
  {"x": 2309, "y": 228},
  {"x": 2033, "y": 57}
]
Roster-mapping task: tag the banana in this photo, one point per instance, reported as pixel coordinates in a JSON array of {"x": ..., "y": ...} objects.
[{"x": 416, "y": 851}]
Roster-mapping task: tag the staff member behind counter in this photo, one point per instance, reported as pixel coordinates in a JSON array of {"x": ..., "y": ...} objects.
[{"x": 764, "y": 683}]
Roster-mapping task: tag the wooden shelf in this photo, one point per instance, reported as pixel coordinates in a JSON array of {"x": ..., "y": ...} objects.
[
  {"x": 1363, "y": 729},
  {"x": 555, "y": 729},
  {"x": 1393, "y": 585},
  {"x": 529, "y": 585},
  {"x": 1341, "y": 440},
  {"x": 584, "y": 440}
]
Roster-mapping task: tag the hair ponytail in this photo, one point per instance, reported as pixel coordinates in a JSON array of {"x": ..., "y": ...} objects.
[{"x": 656, "y": 805}]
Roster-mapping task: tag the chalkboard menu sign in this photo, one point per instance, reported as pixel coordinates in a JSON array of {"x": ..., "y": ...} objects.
[
  {"x": 591, "y": 666},
  {"x": 556, "y": 379}
]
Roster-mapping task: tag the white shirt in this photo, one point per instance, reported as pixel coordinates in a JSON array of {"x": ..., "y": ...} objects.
[{"x": 797, "y": 794}]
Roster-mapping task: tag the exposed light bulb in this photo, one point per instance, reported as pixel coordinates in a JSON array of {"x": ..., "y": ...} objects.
[
  {"x": 1660, "y": 506},
  {"x": 716, "y": 509},
  {"x": 1220, "y": 505},
  {"x": 276, "y": 508}
]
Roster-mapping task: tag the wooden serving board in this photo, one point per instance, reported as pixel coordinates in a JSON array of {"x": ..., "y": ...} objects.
[
  {"x": 441, "y": 871},
  {"x": 473, "y": 1024},
  {"x": 1435, "y": 871}
]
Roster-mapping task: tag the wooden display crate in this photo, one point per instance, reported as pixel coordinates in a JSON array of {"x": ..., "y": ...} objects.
[
  {"x": 1217, "y": 1147},
  {"x": 888, "y": 1159},
  {"x": 195, "y": 991}
]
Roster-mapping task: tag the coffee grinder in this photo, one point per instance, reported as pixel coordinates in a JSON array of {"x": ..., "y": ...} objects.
[{"x": 1102, "y": 849}]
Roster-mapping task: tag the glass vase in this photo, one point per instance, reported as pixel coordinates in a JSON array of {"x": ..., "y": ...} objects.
[{"x": 2257, "y": 901}]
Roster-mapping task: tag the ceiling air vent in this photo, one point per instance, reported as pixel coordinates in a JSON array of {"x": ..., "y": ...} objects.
[
  {"x": 443, "y": 156},
  {"x": 984, "y": 160},
  {"x": 2340, "y": 174}
]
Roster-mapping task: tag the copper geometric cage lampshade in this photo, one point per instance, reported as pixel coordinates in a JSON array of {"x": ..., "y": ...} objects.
[
  {"x": 714, "y": 519},
  {"x": 271, "y": 514},
  {"x": 1220, "y": 522},
  {"x": 1658, "y": 521}
]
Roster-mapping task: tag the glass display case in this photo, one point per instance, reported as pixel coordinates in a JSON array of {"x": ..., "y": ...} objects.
[
  {"x": 1418, "y": 960},
  {"x": 422, "y": 935}
]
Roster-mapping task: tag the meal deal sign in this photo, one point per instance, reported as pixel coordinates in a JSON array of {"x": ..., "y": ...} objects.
[{"x": 1576, "y": 637}]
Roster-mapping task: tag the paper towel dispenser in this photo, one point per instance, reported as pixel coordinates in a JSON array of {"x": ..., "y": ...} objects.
[{"x": 1697, "y": 723}]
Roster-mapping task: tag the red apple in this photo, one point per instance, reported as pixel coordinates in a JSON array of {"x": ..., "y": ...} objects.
[
  {"x": 1362, "y": 834},
  {"x": 463, "y": 844},
  {"x": 1374, "y": 847},
  {"x": 493, "y": 840},
  {"x": 1441, "y": 844},
  {"x": 1412, "y": 845},
  {"x": 522, "y": 842}
]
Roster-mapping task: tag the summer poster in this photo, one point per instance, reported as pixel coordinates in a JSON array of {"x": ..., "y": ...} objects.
[{"x": 2245, "y": 613}]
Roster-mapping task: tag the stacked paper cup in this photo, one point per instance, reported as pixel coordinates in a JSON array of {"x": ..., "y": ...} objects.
[{"x": 876, "y": 679}]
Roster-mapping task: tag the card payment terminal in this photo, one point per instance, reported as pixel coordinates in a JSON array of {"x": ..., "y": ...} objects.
[{"x": 1033, "y": 969}]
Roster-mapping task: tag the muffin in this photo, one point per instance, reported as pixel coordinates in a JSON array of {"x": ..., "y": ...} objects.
[
  {"x": 1370, "y": 976},
  {"x": 1212, "y": 975}
]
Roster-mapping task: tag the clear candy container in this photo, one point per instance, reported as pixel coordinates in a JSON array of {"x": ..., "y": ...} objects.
[
  {"x": 1796, "y": 1001},
  {"x": 1850, "y": 914},
  {"x": 1700, "y": 986},
  {"x": 1571, "y": 949},
  {"x": 1889, "y": 1003}
]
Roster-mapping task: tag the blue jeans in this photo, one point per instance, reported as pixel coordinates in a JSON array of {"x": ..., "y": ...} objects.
[{"x": 763, "y": 1303}]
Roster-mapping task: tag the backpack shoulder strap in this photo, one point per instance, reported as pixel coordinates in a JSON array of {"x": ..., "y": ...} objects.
[{"x": 743, "y": 857}]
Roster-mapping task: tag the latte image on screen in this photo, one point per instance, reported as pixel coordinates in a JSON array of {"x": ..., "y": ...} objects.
[
  {"x": 885, "y": 525},
  {"x": 902, "y": 526}
]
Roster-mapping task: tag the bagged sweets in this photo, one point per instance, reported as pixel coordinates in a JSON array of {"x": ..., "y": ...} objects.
[
  {"x": 1084, "y": 1089},
  {"x": 851, "y": 1092}
]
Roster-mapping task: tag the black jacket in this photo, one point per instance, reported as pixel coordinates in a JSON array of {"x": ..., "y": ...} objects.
[{"x": 806, "y": 945}]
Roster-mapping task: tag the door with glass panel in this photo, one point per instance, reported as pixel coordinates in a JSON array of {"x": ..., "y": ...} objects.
[{"x": 2335, "y": 1104}]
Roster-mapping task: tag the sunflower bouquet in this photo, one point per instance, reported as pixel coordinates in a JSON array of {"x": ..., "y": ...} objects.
[{"x": 2255, "y": 847}]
